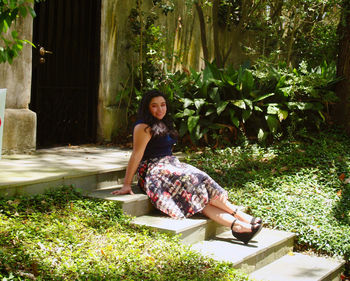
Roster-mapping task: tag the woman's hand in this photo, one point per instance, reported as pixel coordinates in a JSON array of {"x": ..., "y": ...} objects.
[{"x": 126, "y": 189}]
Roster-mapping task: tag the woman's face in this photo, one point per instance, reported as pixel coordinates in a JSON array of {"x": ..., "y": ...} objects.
[{"x": 157, "y": 107}]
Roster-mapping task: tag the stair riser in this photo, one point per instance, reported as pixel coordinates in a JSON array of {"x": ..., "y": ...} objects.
[
  {"x": 200, "y": 233},
  {"x": 267, "y": 256},
  {"x": 109, "y": 179},
  {"x": 84, "y": 182},
  {"x": 335, "y": 276},
  {"x": 138, "y": 208},
  {"x": 189, "y": 236}
]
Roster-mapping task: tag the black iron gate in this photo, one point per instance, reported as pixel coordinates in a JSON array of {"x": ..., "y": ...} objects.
[{"x": 66, "y": 71}]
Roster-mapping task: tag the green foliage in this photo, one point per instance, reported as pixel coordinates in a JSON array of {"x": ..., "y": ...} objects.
[
  {"x": 302, "y": 187},
  {"x": 216, "y": 105},
  {"x": 10, "y": 11},
  {"x": 291, "y": 31},
  {"x": 61, "y": 235},
  {"x": 149, "y": 54},
  {"x": 304, "y": 94}
]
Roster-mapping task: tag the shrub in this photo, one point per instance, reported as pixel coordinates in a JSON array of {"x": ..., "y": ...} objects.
[{"x": 215, "y": 106}]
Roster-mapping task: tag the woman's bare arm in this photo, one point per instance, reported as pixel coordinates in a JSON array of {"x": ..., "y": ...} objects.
[{"x": 142, "y": 136}]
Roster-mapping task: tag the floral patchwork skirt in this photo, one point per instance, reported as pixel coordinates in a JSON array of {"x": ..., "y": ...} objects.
[{"x": 175, "y": 188}]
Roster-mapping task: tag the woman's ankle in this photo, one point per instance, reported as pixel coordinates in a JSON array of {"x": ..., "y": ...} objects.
[{"x": 240, "y": 226}]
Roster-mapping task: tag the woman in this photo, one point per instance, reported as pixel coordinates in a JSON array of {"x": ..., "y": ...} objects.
[{"x": 177, "y": 189}]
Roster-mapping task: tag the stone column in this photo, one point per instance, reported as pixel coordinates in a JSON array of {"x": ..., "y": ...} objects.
[
  {"x": 19, "y": 135},
  {"x": 115, "y": 55}
]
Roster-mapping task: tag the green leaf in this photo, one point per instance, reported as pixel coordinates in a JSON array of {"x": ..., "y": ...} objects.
[
  {"x": 14, "y": 34},
  {"x": 22, "y": 10},
  {"x": 322, "y": 116},
  {"x": 280, "y": 82},
  {"x": 199, "y": 103},
  {"x": 207, "y": 74},
  {"x": 263, "y": 97},
  {"x": 304, "y": 105},
  {"x": 214, "y": 95},
  {"x": 197, "y": 132},
  {"x": 272, "y": 108},
  {"x": 257, "y": 108},
  {"x": 221, "y": 107},
  {"x": 187, "y": 102},
  {"x": 183, "y": 129},
  {"x": 179, "y": 115},
  {"x": 247, "y": 82},
  {"x": 188, "y": 112},
  {"x": 192, "y": 122},
  {"x": 246, "y": 114},
  {"x": 249, "y": 103},
  {"x": 262, "y": 135},
  {"x": 282, "y": 114},
  {"x": 234, "y": 119},
  {"x": 28, "y": 42},
  {"x": 32, "y": 11},
  {"x": 239, "y": 103},
  {"x": 273, "y": 123},
  {"x": 209, "y": 111}
]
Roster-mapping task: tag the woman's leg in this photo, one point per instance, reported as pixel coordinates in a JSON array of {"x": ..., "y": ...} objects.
[
  {"x": 224, "y": 218},
  {"x": 226, "y": 206}
]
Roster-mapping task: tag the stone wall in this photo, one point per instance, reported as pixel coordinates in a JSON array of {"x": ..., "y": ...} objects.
[{"x": 19, "y": 135}]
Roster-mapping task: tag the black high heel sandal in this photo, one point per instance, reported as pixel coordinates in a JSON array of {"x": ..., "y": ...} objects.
[
  {"x": 254, "y": 220},
  {"x": 245, "y": 237}
]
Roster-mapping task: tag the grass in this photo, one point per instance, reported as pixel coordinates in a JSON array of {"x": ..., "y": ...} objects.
[
  {"x": 297, "y": 186},
  {"x": 64, "y": 236}
]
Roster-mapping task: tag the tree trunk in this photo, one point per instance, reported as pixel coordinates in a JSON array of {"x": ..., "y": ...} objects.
[
  {"x": 342, "y": 112},
  {"x": 203, "y": 31},
  {"x": 218, "y": 57}
]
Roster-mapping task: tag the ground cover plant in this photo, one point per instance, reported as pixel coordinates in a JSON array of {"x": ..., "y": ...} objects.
[
  {"x": 302, "y": 186},
  {"x": 63, "y": 236}
]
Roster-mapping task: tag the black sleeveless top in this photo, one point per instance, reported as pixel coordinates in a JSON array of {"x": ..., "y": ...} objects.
[{"x": 158, "y": 146}]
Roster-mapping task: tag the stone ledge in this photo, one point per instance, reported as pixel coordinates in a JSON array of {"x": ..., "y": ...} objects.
[{"x": 19, "y": 135}]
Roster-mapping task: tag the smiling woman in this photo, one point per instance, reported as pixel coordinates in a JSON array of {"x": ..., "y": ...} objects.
[
  {"x": 177, "y": 189},
  {"x": 158, "y": 107}
]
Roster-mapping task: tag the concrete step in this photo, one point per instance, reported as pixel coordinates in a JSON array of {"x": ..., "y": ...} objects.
[
  {"x": 137, "y": 204},
  {"x": 84, "y": 167},
  {"x": 86, "y": 181},
  {"x": 300, "y": 267},
  {"x": 266, "y": 247},
  {"x": 191, "y": 230}
]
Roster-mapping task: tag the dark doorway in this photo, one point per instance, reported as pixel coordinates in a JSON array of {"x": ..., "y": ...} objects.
[{"x": 66, "y": 71}]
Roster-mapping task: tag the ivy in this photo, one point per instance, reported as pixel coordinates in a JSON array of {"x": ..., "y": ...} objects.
[{"x": 10, "y": 42}]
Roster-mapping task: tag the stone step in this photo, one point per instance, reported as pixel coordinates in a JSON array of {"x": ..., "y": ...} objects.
[
  {"x": 83, "y": 180},
  {"x": 85, "y": 167},
  {"x": 266, "y": 247},
  {"x": 137, "y": 204},
  {"x": 300, "y": 267},
  {"x": 191, "y": 230}
]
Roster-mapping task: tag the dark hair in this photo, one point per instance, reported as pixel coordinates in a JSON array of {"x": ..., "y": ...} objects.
[{"x": 158, "y": 127}]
